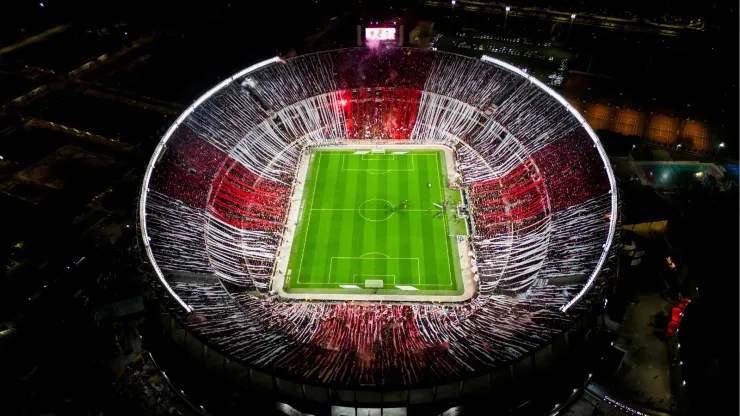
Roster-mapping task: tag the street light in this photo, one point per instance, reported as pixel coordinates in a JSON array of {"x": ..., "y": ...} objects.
[
  {"x": 453, "y": 8},
  {"x": 720, "y": 147},
  {"x": 572, "y": 18},
  {"x": 506, "y": 16}
]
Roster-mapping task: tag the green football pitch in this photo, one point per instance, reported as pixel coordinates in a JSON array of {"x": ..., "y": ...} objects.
[{"x": 370, "y": 219}]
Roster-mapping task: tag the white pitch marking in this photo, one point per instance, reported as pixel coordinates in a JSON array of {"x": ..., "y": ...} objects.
[
  {"x": 436, "y": 155},
  {"x": 375, "y": 252},
  {"x": 331, "y": 265},
  {"x": 359, "y": 210},
  {"x": 375, "y": 209},
  {"x": 378, "y": 171}
]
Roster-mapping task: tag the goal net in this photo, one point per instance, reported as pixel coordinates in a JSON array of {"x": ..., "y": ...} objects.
[{"x": 379, "y": 151}]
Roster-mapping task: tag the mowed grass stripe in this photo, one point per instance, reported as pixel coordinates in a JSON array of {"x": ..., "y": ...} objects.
[
  {"x": 368, "y": 242},
  {"x": 440, "y": 244},
  {"x": 349, "y": 223},
  {"x": 332, "y": 240},
  {"x": 381, "y": 231},
  {"x": 321, "y": 221},
  {"x": 404, "y": 269},
  {"x": 441, "y": 257},
  {"x": 405, "y": 240},
  {"x": 443, "y": 273},
  {"x": 430, "y": 235},
  {"x": 395, "y": 243},
  {"x": 312, "y": 185},
  {"x": 416, "y": 235},
  {"x": 361, "y": 192}
]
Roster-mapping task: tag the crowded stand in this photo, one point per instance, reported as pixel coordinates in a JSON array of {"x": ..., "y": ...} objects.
[
  {"x": 515, "y": 198},
  {"x": 572, "y": 171},
  {"x": 380, "y": 113},
  {"x": 537, "y": 189},
  {"x": 245, "y": 200}
]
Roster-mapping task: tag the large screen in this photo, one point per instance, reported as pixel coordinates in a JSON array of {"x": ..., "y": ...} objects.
[{"x": 380, "y": 33}]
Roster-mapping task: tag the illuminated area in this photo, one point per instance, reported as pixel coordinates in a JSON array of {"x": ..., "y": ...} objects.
[
  {"x": 380, "y": 33},
  {"x": 378, "y": 223},
  {"x": 219, "y": 193}
]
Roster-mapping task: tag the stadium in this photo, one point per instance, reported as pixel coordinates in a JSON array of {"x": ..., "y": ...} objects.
[{"x": 381, "y": 227}]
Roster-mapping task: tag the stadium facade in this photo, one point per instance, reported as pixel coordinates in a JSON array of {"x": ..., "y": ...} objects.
[{"x": 538, "y": 185}]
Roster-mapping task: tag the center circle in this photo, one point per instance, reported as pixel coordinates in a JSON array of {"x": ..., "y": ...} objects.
[{"x": 376, "y": 210}]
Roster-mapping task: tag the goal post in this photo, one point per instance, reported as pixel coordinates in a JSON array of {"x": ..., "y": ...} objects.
[
  {"x": 373, "y": 283},
  {"x": 380, "y": 151}
]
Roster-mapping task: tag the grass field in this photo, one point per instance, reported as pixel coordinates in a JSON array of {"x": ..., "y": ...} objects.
[{"x": 369, "y": 218}]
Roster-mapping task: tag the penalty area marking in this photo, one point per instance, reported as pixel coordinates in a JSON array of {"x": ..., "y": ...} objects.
[
  {"x": 375, "y": 252},
  {"x": 380, "y": 171},
  {"x": 363, "y": 258},
  {"x": 375, "y": 157},
  {"x": 332, "y": 281}
]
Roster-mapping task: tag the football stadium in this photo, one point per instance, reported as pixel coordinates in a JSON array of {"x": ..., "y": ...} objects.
[{"x": 382, "y": 227}]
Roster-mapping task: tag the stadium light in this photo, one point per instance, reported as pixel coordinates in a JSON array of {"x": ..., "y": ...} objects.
[
  {"x": 720, "y": 147},
  {"x": 506, "y": 17},
  {"x": 155, "y": 157},
  {"x": 607, "y": 165},
  {"x": 572, "y": 18}
]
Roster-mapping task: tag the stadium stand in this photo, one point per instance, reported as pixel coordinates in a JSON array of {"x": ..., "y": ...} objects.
[{"x": 539, "y": 193}]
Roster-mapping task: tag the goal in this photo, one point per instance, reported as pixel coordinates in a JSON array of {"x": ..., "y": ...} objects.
[
  {"x": 378, "y": 151},
  {"x": 373, "y": 284}
]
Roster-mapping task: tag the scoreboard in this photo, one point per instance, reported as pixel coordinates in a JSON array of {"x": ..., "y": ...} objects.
[{"x": 380, "y": 34}]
